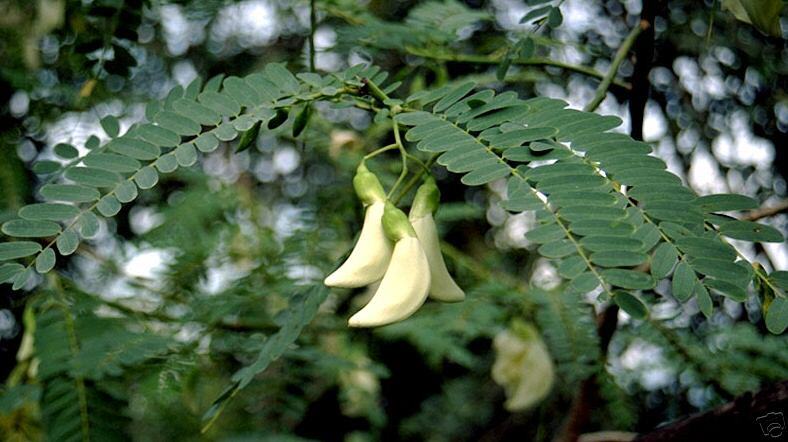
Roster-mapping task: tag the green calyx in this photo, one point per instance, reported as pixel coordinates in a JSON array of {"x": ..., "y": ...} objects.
[
  {"x": 367, "y": 186},
  {"x": 427, "y": 199},
  {"x": 396, "y": 224},
  {"x": 524, "y": 330}
]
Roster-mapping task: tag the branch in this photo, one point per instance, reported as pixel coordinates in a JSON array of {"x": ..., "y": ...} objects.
[
  {"x": 495, "y": 58},
  {"x": 312, "y": 26},
  {"x": 765, "y": 212},
  {"x": 621, "y": 54},
  {"x": 752, "y": 417}
]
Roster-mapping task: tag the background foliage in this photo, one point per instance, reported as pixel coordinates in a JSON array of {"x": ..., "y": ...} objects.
[{"x": 194, "y": 311}]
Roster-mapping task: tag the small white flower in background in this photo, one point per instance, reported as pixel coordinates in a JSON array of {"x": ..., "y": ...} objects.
[{"x": 523, "y": 366}]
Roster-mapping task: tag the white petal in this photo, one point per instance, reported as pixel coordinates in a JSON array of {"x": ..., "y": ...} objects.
[
  {"x": 443, "y": 287},
  {"x": 370, "y": 257},
  {"x": 403, "y": 289}
]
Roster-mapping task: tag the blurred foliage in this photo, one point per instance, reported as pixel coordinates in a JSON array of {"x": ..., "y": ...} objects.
[{"x": 138, "y": 333}]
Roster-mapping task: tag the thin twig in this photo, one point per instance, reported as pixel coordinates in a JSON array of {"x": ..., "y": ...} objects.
[
  {"x": 495, "y": 58},
  {"x": 312, "y": 26},
  {"x": 765, "y": 212},
  {"x": 414, "y": 179},
  {"x": 621, "y": 54}
]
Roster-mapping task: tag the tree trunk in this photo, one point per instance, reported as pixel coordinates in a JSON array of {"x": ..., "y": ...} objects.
[{"x": 749, "y": 417}]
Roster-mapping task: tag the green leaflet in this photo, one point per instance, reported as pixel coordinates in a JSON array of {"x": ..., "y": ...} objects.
[
  {"x": 67, "y": 242},
  {"x": 108, "y": 206},
  {"x": 221, "y": 104},
  {"x": 240, "y": 91},
  {"x": 112, "y": 162},
  {"x": 628, "y": 279},
  {"x": 777, "y": 316},
  {"x": 732, "y": 290},
  {"x": 724, "y": 202},
  {"x": 571, "y": 266},
  {"x": 146, "y": 177},
  {"x": 126, "y": 191},
  {"x": 751, "y": 231},
  {"x": 684, "y": 281},
  {"x": 45, "y": 260},
  {"x": 197, "y": 112},
  {"x": 137, "y": 149},
  {"x": 603, "y": 243},
  {"x": 66, "y": 151},
  {"x": 48, "y": 211},
  {"x": 557, "y": 249},
  {"x": 663, "y": 261},
  {"x": 158, "y": 135},
  {"x": 631, "y": 304},
  {"x": 618, "y": 258},
  {"x": 722, "y": 269},
  {"x": 110, "y": 125},
  {"x": 22, "y": 228},
  {"x": 177, "y": 123},
  {"x": 9, "y": 271},
  {"x": 92, "y": 177},
  {"x": 69, "y": 192},
  {"x": 545, "y": 233},
  {"x": 186, "y": 155},
  {"x": 18, "y": 249}
]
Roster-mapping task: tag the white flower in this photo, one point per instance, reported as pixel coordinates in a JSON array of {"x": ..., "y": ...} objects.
[
  {"x": 425, "y": 203},
  {"x": 370, "y": 257},
  {"x": 523, "y": 367},
  {"x": 406, "y": 282}
]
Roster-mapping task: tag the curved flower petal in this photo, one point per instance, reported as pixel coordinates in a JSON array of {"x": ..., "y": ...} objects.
[
  {"x": 442, "y": 288},
  {"x": 403, "y": 289},
  {"x": 370, "y": 257}
]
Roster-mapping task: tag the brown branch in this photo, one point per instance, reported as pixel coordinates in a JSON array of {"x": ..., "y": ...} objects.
[
  {"x": 749, "y": 417},
  {"x": 765, "y": 212},
  {"x": 607, "y": 436},
  {"x": 587, "y": 395}
]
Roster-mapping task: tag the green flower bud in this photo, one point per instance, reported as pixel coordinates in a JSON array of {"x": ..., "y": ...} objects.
[
  {"x": 426, "y": 200},
  {"x": 396, "y": 223},
  {"x": 367, "y": 186}
]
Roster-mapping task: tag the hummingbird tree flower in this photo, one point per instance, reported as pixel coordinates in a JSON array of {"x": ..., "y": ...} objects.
[
  {"x": 425, "y": 204},
  {"x": 406, "y": 282},
  {"x": 370, "y": 257},
  {"x": 523, "y": 366}
]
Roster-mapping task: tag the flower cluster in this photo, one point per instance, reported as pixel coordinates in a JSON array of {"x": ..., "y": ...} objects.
[{"x": 402, "y": 252}]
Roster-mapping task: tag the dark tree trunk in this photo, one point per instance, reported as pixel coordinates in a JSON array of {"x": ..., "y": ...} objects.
[{"x": 749, "y": 417}]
